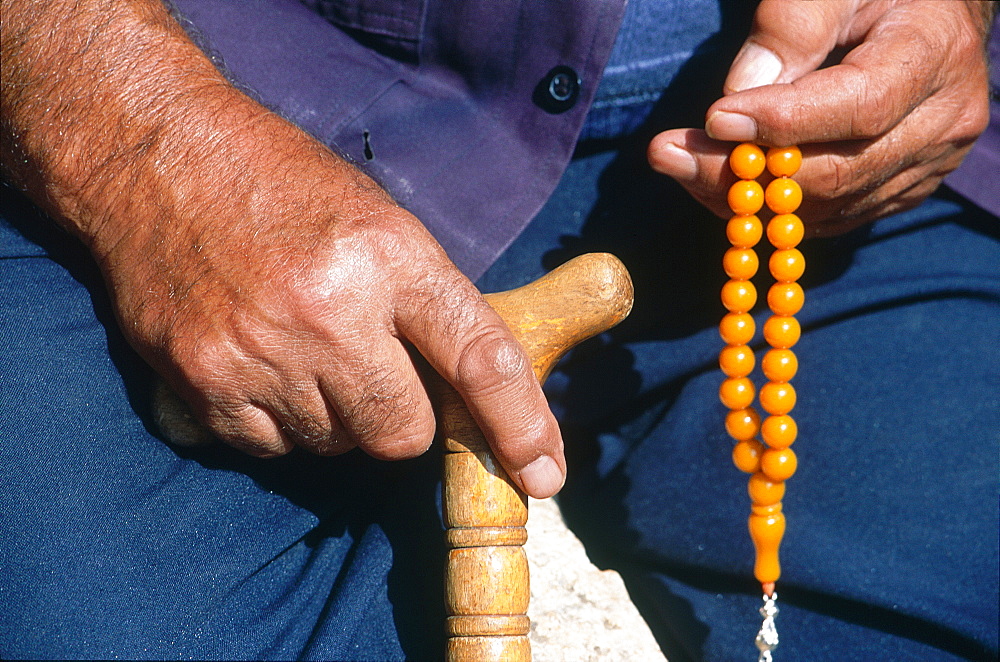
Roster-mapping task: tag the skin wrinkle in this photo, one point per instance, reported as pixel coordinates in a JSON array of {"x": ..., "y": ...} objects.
[
  {"x": 340, "y": 441},
  {"x": 92, "y": 35},
  {"x": 454, "y": 320},
  {"x": 385, "y": 390},
  {"x": 844, "y": 181},
  {"x": 913, "y": 51},
  {"x": 382, "y": 397},
  {"x": 901, "y": 189},
  {"x": 524, "y": 447},
  {"x": 493, "y": 366}
]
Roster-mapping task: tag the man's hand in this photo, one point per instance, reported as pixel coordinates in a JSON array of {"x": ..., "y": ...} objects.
[
  {"x": 878, "y": 130},
  {"x": 278, "y": 289}
]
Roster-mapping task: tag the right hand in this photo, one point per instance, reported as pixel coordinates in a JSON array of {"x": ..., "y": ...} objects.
[
  {"x": 879, "y": 130},
  {"x": 278, "y": 290}
]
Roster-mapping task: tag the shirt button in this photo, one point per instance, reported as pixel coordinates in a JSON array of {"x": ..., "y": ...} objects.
[{"x": 558, "y": 91}]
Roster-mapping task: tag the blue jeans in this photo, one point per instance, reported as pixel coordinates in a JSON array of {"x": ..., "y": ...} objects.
[{"x": 891, "y": 551}]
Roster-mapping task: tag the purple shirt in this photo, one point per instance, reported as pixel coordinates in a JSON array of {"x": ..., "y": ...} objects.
[
  {"x": 456, "y": 107},
  {"x": 448, "y": 103}
]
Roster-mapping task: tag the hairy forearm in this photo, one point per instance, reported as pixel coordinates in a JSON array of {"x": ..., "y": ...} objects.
[
  {"x": 108, "y": 107},
  {"x": 91, "y": 91}
]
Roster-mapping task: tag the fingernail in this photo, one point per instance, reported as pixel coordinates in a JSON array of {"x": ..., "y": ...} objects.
[
  {"x": 755, "y": 66},
  {"x": 731, "y": 126},
  {"x": 676, "y": 162},
  {"x": 542, "y": 478}
]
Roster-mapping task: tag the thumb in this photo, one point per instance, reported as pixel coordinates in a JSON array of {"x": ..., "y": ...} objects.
[{"x": 787, "y": 41}]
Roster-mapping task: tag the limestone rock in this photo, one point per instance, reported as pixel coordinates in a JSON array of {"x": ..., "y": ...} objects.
[{"x": 578, "y": 612}]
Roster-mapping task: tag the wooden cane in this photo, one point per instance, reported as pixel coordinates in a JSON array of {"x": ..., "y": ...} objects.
[
  {"x": 487, "y": 571},
  {"x": 486, "y": 579}
]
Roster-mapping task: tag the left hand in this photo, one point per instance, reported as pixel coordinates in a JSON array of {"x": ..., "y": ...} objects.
[{"x": 878, "y": 130}]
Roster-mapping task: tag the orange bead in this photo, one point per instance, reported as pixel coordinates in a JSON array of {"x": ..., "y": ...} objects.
[
  {"x": 778, "y": 464},
  {"x": 736, "y": 392},
  {"x": 746, "y": 197},
  {"x": 787, "y": 265},
  {"x": 777, "y": 397},
  {"x": 741, "y": 263},
  {"x": 783, "y": 195},
  {"x": 783, "y": 161},
  {"x": 779, "y": 431},
  {"x": 785, "y": 298},
  {"x": 737, "y": 328},
  {"x": 736, "y": 360},
  {"x": 739, "y": 296},
  {"x": 744, "y": 231},
  {"x": 781, "y": 331},
  {"x": 743, "y": 424},
  {"x": 779, "y": 365},
  {"x": 764, "y": 491},
  {"x": 785, "y": 231},
  {"x": 747, "y": 161},
  {"x": 746, "y": 455},
  {"x": 766, "y": 531}
]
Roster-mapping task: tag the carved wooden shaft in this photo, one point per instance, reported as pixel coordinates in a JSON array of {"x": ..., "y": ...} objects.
[{"x": 487, "y": 572}]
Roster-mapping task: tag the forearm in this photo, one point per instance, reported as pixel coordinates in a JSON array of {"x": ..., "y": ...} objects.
[
  {"x": 109, "y": 110},
  {"x": 91, "y": 93}
]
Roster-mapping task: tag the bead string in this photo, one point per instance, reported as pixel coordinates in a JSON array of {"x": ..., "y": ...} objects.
[{"x": 772, "y": 462}]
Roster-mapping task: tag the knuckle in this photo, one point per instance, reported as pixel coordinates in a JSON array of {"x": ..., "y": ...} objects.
[
  {"x": 408, "y": 437},
  {"x": 875, "y": 104},
  {"x": 443, "y": 298},
  {"x": 973, "y": 118},
  {"x": 311, "y": 432},
  {"x": 870, "y": 117},
  {"x": 269, "y": 448},
  {"x": 387, "y": 417},
  {"x": 490, "y": 361},
  {"x": 328, "y": 443},
  {"x": 980, "y": 118},
  {"x": 405, "y": 445},
  {"x": 240, "y": 426},
  {"x": 201, "y": 356}
]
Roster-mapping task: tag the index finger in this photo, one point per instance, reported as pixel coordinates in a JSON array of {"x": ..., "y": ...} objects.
[{"x": 469, "y": 345}]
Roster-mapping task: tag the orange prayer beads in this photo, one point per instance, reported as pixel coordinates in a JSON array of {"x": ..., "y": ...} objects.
[{"x": 772, "y": 462}]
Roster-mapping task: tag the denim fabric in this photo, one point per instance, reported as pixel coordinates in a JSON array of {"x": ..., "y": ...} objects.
[{"x": 656, "y": 40}]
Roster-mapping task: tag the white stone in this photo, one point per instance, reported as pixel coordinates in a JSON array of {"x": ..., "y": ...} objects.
[{"x": 578, "y": 612}]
